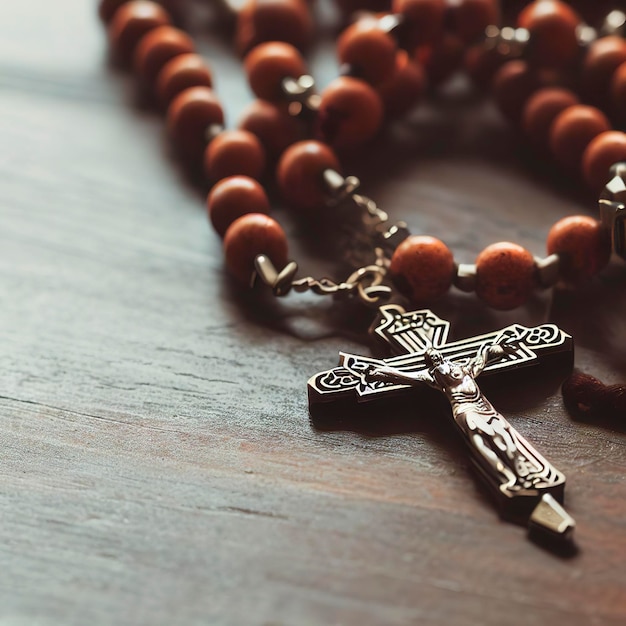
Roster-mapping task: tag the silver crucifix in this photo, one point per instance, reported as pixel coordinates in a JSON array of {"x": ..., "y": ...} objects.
[{"x": 526, "y": 486}]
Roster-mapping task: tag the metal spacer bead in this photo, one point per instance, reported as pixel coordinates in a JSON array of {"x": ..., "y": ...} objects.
[
  {"x": 465, "y": 278},
  {"x": 614, "y": 24},
  {"x": 612, "y": 205},
  {"x": 300, "y": 92},
  {"x": 212, "y": 131},
  {"x": 548, "y": 270},
  {"x": 338, "y": 187}
]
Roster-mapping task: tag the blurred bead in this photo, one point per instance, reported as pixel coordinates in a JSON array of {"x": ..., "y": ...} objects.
[
  {"x": 470, "y": 18},
  {"x": 272, "y": 124},
  {"x": 583, "y": 246},
  {"x": 368, "y": 49},
  {"x": 618, "y": 92},
  {"x": 268, "y": 64},
  {"x": 233, "y": 197},
  {"x": 514, "y": 83},
  {"x": 441, "y": 59},
  {"x": 157, "y": 48},
  {"x": 424, "y": 19},
  {"x": 350, "y": 112},
  {"x": 553, "y": 33},
  {"x": 572, "y": 131},
  {"x": 300, "y": 174},
  {"x": 249, "y": 236},
  {"x": 541, "y": 110},
  {"x": 182, "y": 72},
  {"x": 259, "y": 21},
  {"x": 482, "y": 64},
  {"x": 131, "y": 22},
  {"x": 601, "y": 154},
  {"x": 108, "y": 8},
  {"x": 190, "y": 116},
  {"x": 403, "y": 89},
  {"x": 234, "y": 152},
  {"x": 603, "y": 57},
  {"x": 505, "y": 275},
  {"x": 422, "y": 268}
]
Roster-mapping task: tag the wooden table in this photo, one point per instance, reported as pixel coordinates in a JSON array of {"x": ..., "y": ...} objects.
[{"x": 158, "y": 462}]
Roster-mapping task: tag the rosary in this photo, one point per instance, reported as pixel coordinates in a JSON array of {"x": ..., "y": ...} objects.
[{"x": 539, "y": 70}]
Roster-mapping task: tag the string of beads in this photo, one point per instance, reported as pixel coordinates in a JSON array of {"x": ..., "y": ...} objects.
[{"x": 556, "y": 78}]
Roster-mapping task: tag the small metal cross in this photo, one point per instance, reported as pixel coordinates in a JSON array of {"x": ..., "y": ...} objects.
[{"x": 526, "y": 486}]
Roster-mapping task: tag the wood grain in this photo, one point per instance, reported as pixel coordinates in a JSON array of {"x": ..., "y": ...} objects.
[{"x": 158, "y": 462}]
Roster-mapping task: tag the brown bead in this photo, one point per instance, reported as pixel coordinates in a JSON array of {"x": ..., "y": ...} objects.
[
  {"x": 403, "y": 89},
  {"x": 470, "y": 18},
  {"x": 441, "y": 59},
  {"x": 368, "y": 49},
  {"x": 572, "y": 131},
  {"x": 234, "y": 152},
  {"x": 268, "y": 64},
  {"x": 157, "y": 48},
  {"x": 582, "y": 244},
  {"x": 131, "y": 22},
  {"x": 553, "y": 33},
  {"x": 603, "y": 57},
  {"x": 189, "y": 117},
  {"x": 505, "y": 275},
  {"x": 424, "y": 18},
  {"x": 350, "y": 112},
  {"x": 482, "y": 64},
  {"x": 618, "y": 92},
  {"x": 108, "y": 8},
  {"x": 275, "y": 128},
  {"x": 182, "y": 72},
  {"x": 513, "y": 84},
  {"x": 249, "y": 236},
  {"x": 300, "y": 174},
  {"x": 541, "y": 110},
  {"x": 422, "y": 268},
  {"x": 259, "y": 21},
  {"x": 233, "y": 197},
  {"x": 601, "y": 154}
]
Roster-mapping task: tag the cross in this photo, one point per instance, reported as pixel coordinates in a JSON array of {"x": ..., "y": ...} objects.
[{"x": 526, "y": 486}]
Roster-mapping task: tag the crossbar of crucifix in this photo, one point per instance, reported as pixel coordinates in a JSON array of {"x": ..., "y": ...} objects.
[{"x": 524, "y": 483}]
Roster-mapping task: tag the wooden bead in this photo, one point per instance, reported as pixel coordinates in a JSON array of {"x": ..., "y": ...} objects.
[
  {"x": 553, "y": 33},
  {"x": 403, "y": 89},
  {"x": 108, "y": 8},
  {"x": 268, "y": 64},
  {"x": 441, "y": 59},
  {"x": 572, "y": 131},
  {"x": 233, "y": 197},
  {"x": 482, "y": 64},
  {"x": 350, "y": 112},
  {"x": 368, "y": 49},
  {"x": 157, "y": 48},
  {"x": 470, "y": 18},
  {"x": 272, "y": 125},
  {"x": 182, "y": 72},
  {"x": 541, "y": 109},
  {"x": 601, "y": 154},
  {"x": 189, "y": 117},
  {"x": 505, "y": 275},
  {"x": 618, "y": 92},
  {"x": 425, "y": 19},
  {"x": 259, "y": 21},
  {"x": 234, "y": 152},
  {"x": 300, "y": 174},
  {"x": 422, "y": 268},
  {"x": 513, "y": 84},
  {"x": 131, "y": 22},
  {"x": 249, "y": 236},
  {"x": 582, "y": 244},
  {"x": 603, "y": 57}
]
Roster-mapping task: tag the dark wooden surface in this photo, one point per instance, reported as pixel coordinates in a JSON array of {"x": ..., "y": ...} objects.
[{"x": 158, "y": 462}]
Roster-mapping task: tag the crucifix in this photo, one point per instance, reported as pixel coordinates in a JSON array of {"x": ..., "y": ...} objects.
[{"x": 527, "y": 488}]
